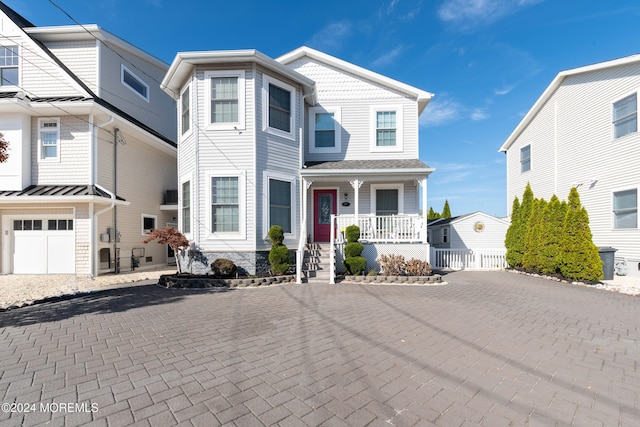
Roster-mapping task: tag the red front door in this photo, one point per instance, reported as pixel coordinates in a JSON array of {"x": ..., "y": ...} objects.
[{"x": 324, "y": 204}]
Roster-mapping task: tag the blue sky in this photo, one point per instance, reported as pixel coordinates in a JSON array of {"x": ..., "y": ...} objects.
[{"x": 487, "y": 61}]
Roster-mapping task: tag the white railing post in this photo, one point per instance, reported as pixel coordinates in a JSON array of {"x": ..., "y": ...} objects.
[{"x": 332, "y": 252}]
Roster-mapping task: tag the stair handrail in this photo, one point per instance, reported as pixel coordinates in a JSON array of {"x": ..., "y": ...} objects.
[
  {"x": 332, "y": 253},
  {"x": 300, "y": 252}
]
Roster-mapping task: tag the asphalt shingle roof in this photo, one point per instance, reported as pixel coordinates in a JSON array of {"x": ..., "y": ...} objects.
[{"x": 369, "y": 164}]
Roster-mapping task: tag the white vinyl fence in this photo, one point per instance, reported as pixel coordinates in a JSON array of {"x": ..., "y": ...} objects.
[{"x": 468, "y": 259}]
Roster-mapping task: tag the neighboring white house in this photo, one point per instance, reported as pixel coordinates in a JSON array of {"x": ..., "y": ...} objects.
[
  {"x": 583, "y": 132},
  {"x": 92, "y": 150},
  {"x": 464, "y": 241},
  {"x": 292, "y": 141}
]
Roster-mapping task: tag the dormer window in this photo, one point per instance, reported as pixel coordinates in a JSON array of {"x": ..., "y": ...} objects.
[
  {"x": 135, "y": 83},
  {"x": 9, "y": 66}
]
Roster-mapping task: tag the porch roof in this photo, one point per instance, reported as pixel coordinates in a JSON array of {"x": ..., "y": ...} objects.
[
  {"x": 394, "y": 167},
  {"x": 60, "y": 193}
]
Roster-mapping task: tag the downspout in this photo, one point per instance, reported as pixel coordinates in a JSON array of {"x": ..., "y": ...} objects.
[
  {"x": 93, "y": 179},
  {"x": 116, "y": 263}
]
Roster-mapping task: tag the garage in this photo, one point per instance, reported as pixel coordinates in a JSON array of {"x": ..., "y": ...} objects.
[{"x": 43, "y": 246}]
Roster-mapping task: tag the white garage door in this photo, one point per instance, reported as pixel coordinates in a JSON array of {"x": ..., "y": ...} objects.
[{"x": 43, "y": 246}]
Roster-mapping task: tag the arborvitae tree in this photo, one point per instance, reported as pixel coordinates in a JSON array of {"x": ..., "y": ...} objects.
[
  {"x": 511, "y": 231},
  {"x": 553, "y": 222},
  {"x": 533, "y": 241},
  {"x": 432, "y": 214},
  {"x": 579, "y": 255},
  {"x": 446, "y": 212},
  {"x": 520, "y": 222}
]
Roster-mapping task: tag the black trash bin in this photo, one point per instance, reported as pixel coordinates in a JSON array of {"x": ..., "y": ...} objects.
[{"x": 607, "y": 255}]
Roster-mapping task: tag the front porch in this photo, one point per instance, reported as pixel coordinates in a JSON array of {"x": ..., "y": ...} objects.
[{"x": 385, "y": 199}]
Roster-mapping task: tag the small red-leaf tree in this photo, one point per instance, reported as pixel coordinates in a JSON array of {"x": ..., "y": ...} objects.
[
  {"x": 4, "y": 149},
  {"x": 173, "y": 238}
]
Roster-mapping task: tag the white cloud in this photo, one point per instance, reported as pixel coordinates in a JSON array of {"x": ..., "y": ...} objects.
[
  {"x": 479, "y": 114},
  {"x": 331, "y": 36},
  {"x": 504, "y": 90},
  {"x": 468, "y": 14},
  {"x": 388, "y": 57},
  {"x": 441, "y": 112}
]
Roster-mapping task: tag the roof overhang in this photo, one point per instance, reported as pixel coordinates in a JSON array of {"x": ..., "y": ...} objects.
[
  {"x": 555, "y": 84},
  {"x": 185, "y": 62},
  {"x": 89, "y": 32},
  {"x": 422, "y": 97},
  {"x": 62, "y": 199}
]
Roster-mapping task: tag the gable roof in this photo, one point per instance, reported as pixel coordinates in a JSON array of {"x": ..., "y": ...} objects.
[
  {"x": 555, "y": 84},
  {"x": 455, "y": 219},
  {"x": 421, "y": 96},
  {"x": 31, "y": 31},
  {"x": 184, "y": 63}
]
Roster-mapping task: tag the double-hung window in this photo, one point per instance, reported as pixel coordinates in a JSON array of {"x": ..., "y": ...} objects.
[
  {"x": 625, "y": 116},
  {"x": 324, "y": 130},
  {"x": 185, "y": 110},
  {"x": 9, "y": 74},
  {"x": 625, "y": 209},
  {"x": 280, "y": 204},
  {"x": 386, "y": 128},
  {"x": 49, "y": 139},
  {"x": 279, "y": 106},
  {"x": 525, "y": 158},
  {"x": 135, "y": 83},
  {"x": 225, "y": 204},
  {"x": 226, "y": 99},
  {"x": 186, "y": 207}
]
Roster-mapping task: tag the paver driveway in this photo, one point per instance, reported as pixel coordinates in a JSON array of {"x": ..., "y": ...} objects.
[{"x": 489, "y": 349}]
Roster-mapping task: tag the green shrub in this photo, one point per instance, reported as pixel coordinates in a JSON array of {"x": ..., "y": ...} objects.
[
  {"x": 372, "y": 272},
  {"x": 279, "y": 259},
  {"x": 223, "y": 268},
  {"x": 352, "y": 233},
  {"x": 276, "y": 235},
  {"x": 579, "y": 257},
  {"x": 355, "y": 265},
  {"x": 353, "y": 249}
]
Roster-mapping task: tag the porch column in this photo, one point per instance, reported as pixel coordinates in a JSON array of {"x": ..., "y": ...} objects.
[
  {"x": 355, "y": 184},
  {"x": 423, "y": 183},
  {"x": 306, "y": 184}
]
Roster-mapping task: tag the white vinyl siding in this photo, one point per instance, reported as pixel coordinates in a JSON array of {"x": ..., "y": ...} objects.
[
  {"x": 225, "y": 94},
  {"x": 355, "y": 96},
  {"x": 625, "y": 116},
  {"x": 572, "y": 138},
  {"x": 625, "y": 209},
  {"x": 80, "y": 56}
]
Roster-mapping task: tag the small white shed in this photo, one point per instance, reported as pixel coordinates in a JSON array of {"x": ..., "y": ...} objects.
[{"x": 476, "y": 230}]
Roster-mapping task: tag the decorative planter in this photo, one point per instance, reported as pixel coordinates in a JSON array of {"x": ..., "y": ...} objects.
[{"x": 184, "y": 281}]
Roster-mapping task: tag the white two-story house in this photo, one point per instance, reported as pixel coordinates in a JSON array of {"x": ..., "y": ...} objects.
[
  {"x": 92, "y": 150},
  {"x": 583, "y": 132},
  {"x": 305, "y": 141}
]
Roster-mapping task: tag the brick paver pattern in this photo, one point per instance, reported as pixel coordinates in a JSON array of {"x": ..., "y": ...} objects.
[{"x": 488, "y": 348}]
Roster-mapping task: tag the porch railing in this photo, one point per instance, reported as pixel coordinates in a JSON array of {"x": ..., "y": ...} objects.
[
  {"x": 390, "y": 228},
  {"x": 468, "y": 259}
]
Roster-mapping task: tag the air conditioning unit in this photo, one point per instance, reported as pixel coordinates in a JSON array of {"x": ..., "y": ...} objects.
[{"x": 171, "y": 197}]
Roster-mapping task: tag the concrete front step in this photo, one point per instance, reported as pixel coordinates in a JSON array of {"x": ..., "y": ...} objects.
[{"x": 316, "y": 263}]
